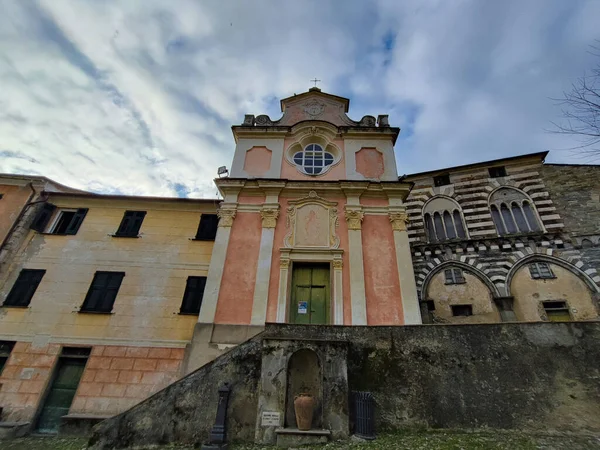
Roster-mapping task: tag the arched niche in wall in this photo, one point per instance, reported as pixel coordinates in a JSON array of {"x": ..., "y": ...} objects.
[{"x": 304, "y": 376}]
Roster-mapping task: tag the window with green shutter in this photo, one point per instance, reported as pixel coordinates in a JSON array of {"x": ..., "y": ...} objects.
[
  {"x": 22, "y": 291},
  {"x": 69, "y": 221},
  {"x": 192, "y": 298},
  {"x": 131, "y": 224},
  {"x": 103, "y": 292},
  {"x": 207, "y": 229}
]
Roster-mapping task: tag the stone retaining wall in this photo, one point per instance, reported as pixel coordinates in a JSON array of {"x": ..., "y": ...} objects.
[{"x": 510, "y": 375}]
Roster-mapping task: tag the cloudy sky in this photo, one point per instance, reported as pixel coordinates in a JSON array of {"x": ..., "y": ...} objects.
[{"x": 137, "y": 97}]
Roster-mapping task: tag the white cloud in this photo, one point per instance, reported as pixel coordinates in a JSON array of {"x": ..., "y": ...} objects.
[{"x": 137, "y": 96}]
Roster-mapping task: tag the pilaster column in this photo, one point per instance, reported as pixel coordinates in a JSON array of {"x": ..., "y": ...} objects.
[
  {"x": 408, "y": 287},
  {"x": 338, "y": 297},
  {"x": 208, "y": 309},
  {"x": 358, "y": 300},
  {"x": 269, "y": 214},
  {"x": 284, "y": 267}
]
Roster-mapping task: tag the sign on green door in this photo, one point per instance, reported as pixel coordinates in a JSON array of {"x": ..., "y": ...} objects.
[
  {"x": 310, "y": 294},
  {"x": 61, "y": 394}
]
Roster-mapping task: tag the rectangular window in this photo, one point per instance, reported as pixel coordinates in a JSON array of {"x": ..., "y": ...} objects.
[
  {"x": 441, "y": 180},
  {"x": 462, "y": 310},
  {"x": 5, "y": 349},
  {"x": 103, "y": 291},
  {"x": 454, "y": 276},
  {"x": 192, "y": 298},
  {"x": 207, "y": 229},
  {"x": 540, "y": 270},
  {"x": 131, "y": 223},
  {"x": 68, "y": 221},
  {"x": 496, "y": 172},
  {"x": 76, "y": 352},
  {"x": 21, "y": 293},
  {"x": 557, "y": 311}
]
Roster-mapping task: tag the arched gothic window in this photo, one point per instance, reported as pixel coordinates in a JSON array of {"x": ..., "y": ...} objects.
[
  {"x": 443, "y": 220},
  {"x": 512, "y": 212}
]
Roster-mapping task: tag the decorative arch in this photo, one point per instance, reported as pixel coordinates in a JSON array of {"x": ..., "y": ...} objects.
[
  {"x": 573, "y": 268},
  {"x": 304, "y": 375},
  {"x": 513, "y": 211},
  {"x": 467, "y": 266},
  {"x": 443, "y": 219}
]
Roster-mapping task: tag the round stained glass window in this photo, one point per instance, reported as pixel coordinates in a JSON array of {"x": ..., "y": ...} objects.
[{"x": 313, "y": 159}]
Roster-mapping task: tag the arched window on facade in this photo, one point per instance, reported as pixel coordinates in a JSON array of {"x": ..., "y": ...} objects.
[
  {"x": 512, "y": 212},
  {"x": 443, "y": 220}
]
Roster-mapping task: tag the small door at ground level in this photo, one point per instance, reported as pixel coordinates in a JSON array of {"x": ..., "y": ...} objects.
[
  {"x": 310, "y": 294},
  {"x": 60, "y": 397}
]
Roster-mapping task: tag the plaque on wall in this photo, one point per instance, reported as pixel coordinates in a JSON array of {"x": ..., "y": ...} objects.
[
  {"x": 271, "y": 419},
  {"x": 302, "y": 307}
]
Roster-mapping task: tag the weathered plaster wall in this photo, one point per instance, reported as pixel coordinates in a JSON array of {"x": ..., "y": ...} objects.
[
  {"x": 239, "y": 275},
  {"x": 529, "y": 294},
  {"x": 11, "y": 204},
  {"x": 473, "y": 292},
  {"x": 535, "y": 376},
  {"x": 258, "y": 161},
  {"x": 382, "y": 286}
]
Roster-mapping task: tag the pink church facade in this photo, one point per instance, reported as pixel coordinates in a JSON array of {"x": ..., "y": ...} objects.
[{"x": 312, "y": 227}]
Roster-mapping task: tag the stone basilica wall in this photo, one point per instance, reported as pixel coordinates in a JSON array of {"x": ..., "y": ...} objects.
[{"x": 495, "y": 267}]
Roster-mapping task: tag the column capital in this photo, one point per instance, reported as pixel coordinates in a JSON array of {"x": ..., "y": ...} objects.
[
  {"x": 284, "y": 263},
  {"x": 354, "y": 217},
  {"x": 338, "y": 264},
  {"x": 269, "y": 216},
  {"x": 399, "y": 220},
  {"x": 226, "y": 215}
]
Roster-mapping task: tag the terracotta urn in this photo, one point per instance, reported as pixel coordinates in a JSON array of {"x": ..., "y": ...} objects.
[{"x": 303, "y": 407}]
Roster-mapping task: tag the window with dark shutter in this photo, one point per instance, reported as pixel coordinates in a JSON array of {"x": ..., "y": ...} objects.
[
  {"x": 462, "y": 310},
  {"x": 441, "y": 180},
  {"x": 21, "y": 293},
  {"x": 540, "y": 270},
  {"x": 192, "y": 298},
  {"x": 5, "y": 350},
  {"x": 103, "y": 291},
  {"x": 131, "y": 223},
  {"x": 69, "y": 221},
  {"x": 454, "y": 276},
  {"x": 42, "y": 218},
  {"x": 557, "y": 311},
  {"x": 496, "y": 172},
  {"x": 207, "y": 229}
]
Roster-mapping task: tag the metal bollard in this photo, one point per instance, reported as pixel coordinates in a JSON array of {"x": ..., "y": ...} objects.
[{"x": 364, "y": 415}]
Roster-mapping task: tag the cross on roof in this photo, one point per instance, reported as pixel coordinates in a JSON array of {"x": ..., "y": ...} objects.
[{"x": 315, "y": 81}]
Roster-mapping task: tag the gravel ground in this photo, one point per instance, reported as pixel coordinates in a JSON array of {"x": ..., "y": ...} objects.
[{"x": 410, "y": 440}]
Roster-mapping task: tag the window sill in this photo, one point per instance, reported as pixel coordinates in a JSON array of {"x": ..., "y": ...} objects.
[
  {"x": 461, "y": 282},
  {"x": 47, "y": 233},
  {"x": 188, "y": 313},
  {"x": 126, "y": 236},
  {"x": 202, "y": 239},
  {"x": 15, "y": 306},
  {"x": 81, "y": 311},
  {"x": 543, "y": 278}
]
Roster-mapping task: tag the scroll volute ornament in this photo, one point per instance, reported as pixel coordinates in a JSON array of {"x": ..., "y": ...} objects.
[
  {"x": 354, "y": 219},
  {"x": 226, "y": 216},
  {"x": 399, "y": 221}
]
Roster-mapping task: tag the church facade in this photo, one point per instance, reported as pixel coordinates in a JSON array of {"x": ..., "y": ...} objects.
[{"x": 116, "y": 297}]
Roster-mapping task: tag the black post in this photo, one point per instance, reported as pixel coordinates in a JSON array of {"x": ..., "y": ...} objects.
[{"x": 219, "y": 429}]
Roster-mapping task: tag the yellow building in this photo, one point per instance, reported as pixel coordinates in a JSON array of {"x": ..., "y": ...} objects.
[{"x": 61, "y": 305}]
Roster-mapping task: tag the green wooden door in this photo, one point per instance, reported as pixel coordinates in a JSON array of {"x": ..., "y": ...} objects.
[
  {"x": 61, "y": 394},
  {"x": 310, "y": 294}
]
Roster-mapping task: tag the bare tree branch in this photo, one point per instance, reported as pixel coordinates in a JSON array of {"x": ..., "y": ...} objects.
[{"x": 580, "y": 108}]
